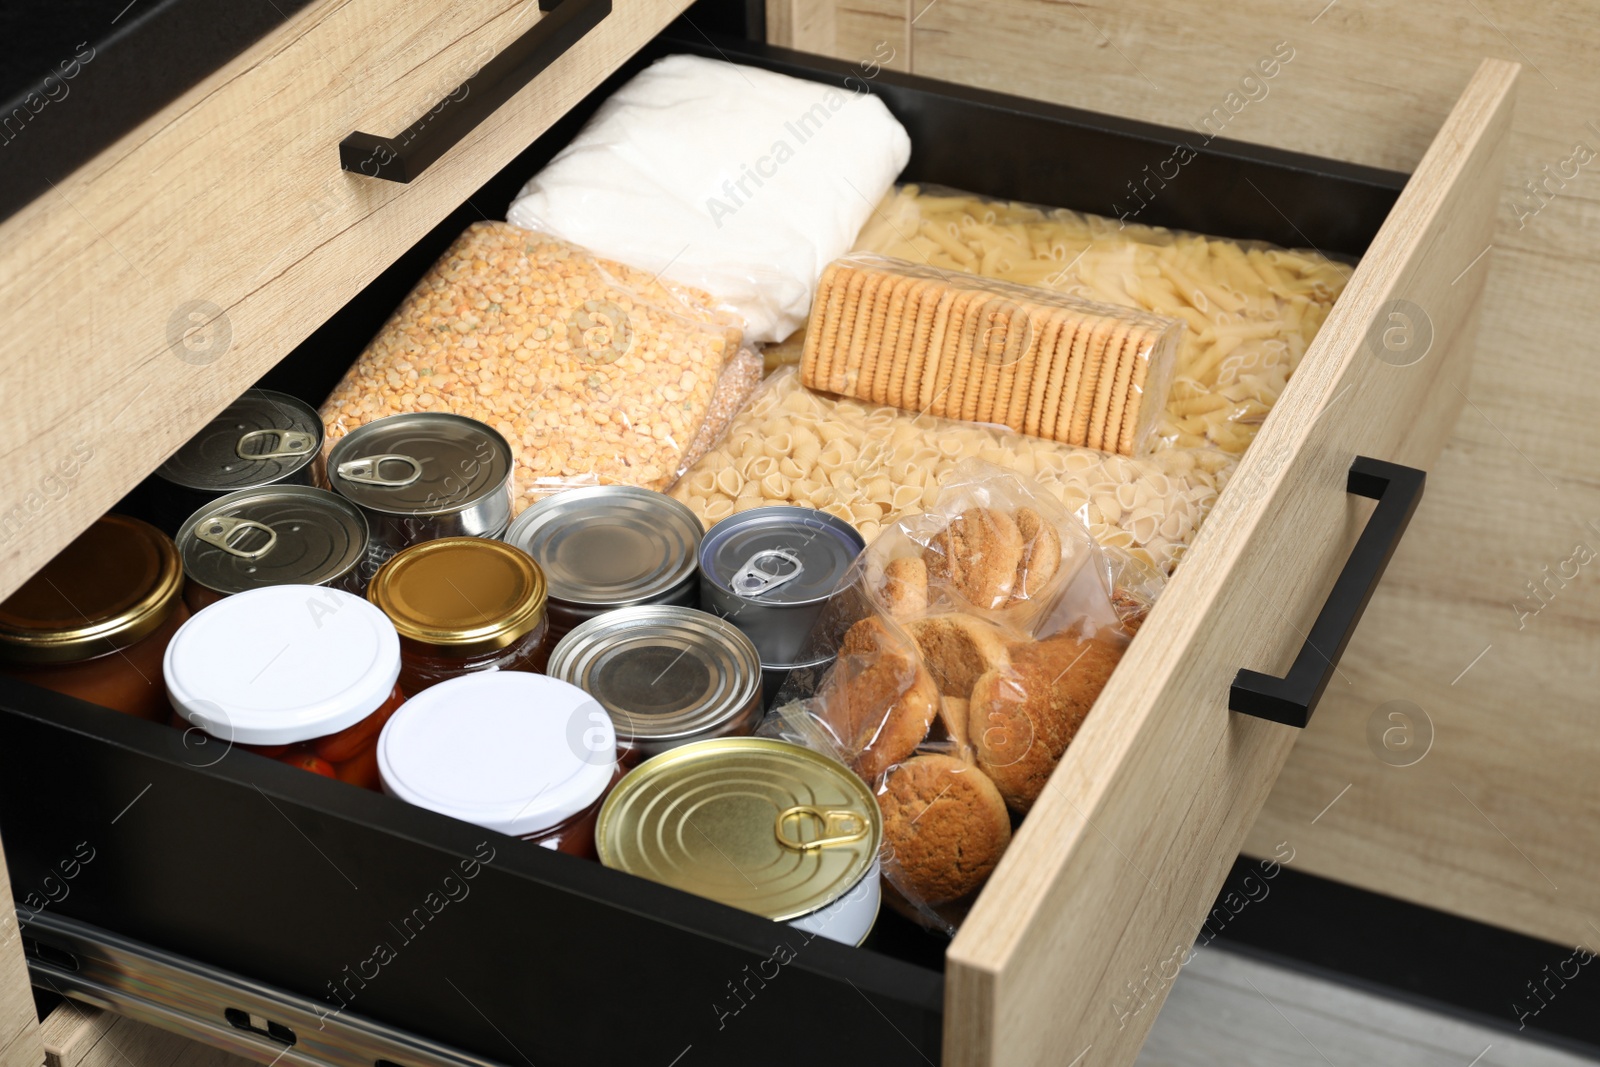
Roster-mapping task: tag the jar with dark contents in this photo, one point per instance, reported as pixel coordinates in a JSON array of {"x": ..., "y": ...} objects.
[
  {"x": 463, "y": 605},
  {"x": 278, "y": 535},
  {"x": 262, "y": 438},
  {"x": 523, "y": 754},
  {"x": 302, "y": 674},
  {"x": 95, "y": 621}
]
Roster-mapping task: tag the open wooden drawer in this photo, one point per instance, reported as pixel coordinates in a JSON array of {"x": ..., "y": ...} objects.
[{"x": 293, "y": 881}]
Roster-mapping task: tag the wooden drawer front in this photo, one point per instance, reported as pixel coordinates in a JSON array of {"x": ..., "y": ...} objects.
[
  {"x": 287, "y": 878},
  {"x": 1075, "y": 941},
  {"x": 227, "y": 213}
]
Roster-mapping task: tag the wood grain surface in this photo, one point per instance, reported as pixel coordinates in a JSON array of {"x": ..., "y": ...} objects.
[
  {"x": 161, "y": 279},
  {"x": 1500, "y": 818},
  {"x": 19, "y": 1027},
  {"x": 1108, "y": 879}
]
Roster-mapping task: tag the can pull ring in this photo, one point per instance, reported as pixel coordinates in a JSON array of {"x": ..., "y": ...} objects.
[
  {"x": 286, "y": 444},
  {"x": 759, "y": 576},
  {"x": 839, "y": 826},
  {"x": 366, "y": 470},
  {"x": 225, "y": 532}
]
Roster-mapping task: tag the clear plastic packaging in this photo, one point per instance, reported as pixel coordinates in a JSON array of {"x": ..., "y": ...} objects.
[
  {"x": 1252, "y": 309},
  {"x": 874, "y": 465},
  {"x": 962, "y": 346},
  {"x": 739, "y": 181},
  {"x": 972, "y": 641},
  {"x": 594, "y": 371}
]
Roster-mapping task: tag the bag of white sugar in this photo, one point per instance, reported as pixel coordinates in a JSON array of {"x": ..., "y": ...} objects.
[{"x": 736, "y": 181}]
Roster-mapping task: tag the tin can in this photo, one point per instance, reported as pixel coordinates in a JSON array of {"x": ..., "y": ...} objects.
[
  {"x": 770, "y": 571},
  {"x": 608, "y": 547},
  {"x": 667, "y": 675},
  {"x": 701, "y": 816},
  {"x": 421, "y": 476},
  {"x": 277, "y": 535},
  {"x": 263, "y": 438}
]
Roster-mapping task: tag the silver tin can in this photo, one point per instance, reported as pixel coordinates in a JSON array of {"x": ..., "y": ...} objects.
[
  {"x": 277, "y": 535},
  {"x": 770, "y": 571},
  {"x": 262, "y": 438},
  {"x": 667, "y": 675},
  {"x": 420, "y": 476},
  {"x": 609, "y": 547}
]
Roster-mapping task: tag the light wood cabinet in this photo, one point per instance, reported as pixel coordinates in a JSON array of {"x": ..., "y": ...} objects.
[{"x": 1123, "y": 856}]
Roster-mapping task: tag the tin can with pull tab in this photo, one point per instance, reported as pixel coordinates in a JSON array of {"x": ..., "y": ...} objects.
[
  {"x": 421, "y": 476},
  {"x": 277, "y": 535},
  {"x": 770, "y": 571},
  {"x": 264, "y": 438},
  {"x": 701, "y": 816}
]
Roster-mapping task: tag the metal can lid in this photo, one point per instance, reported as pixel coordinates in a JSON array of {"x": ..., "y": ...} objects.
[
  {"x": 779, "y": 555},
  {"x": 423, "y": 463},
  {"x": 282, "y": 664},
  {"x": 662, "y": 672},
  {"x": 463, "y": 595},
  {"x": 609, "y": 545},
  {"x": 511, "y": 751},
  {"x": 275, "y": 535},
  {"x": 260, "y": 438},
  {"x": 114, "y": 583},
  {"x": 761, "y": 825}
]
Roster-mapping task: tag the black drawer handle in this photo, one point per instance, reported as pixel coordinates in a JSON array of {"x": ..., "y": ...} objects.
[
  {"x": 404, "y": 157},
  {"x": 1291, "y": 699}
]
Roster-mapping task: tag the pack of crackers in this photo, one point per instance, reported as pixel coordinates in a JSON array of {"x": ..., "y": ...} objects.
[{"x": 962, "y": 346}]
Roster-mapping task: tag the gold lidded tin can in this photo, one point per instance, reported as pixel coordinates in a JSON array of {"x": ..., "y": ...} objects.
[
  {"x": 761, "y": 825},
  {"x": 666, "y": 675}
]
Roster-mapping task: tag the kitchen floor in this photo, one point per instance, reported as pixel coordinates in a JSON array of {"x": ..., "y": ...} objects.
[{"x": 1230, "y": 1009}]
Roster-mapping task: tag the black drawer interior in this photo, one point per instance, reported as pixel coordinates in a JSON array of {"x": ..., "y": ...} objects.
[{"x": 296, "y": 880}]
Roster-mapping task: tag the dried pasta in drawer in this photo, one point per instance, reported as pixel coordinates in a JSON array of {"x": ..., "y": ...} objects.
[
  {"x": 873, "y": 465},
  {"x": 594, "y": 371}
]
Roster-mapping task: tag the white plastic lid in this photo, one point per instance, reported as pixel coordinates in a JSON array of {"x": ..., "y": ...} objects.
[
  {"x": 510, "y": 751},
  {"x": 282, "y": 664}
]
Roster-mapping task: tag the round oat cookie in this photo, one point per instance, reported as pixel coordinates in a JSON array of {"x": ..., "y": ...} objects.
[
  {"x": 958, "y": 649},
  {"x": 945, "y": 827},
  {"x": 976, "y": 556}
]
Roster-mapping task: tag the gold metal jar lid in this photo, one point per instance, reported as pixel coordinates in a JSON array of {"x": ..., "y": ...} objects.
[
  {"x": 461, "y": 595},
  {"x": 118, "y": 581},
  {"x": 757, "y": 824}
]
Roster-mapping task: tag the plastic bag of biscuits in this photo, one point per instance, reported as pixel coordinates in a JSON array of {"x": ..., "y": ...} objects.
[
  {"x": 970, "y": 644},
  {"x": 962, "y": 346}
]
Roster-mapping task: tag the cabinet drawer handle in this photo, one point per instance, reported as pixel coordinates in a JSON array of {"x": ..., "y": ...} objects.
[
  {"x": 1292, "y": 698},
  {"x": 403, "y": 157}
]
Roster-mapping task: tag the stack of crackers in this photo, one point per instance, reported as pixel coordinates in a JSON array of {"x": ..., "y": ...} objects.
[{"x": 961, "y": 346}]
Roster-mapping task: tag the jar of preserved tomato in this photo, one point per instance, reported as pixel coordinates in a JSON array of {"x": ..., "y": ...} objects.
[
  {"x": 94, "y": 622},
  {"x": 304, "y": 674},
  {"x": 520, "y": 753},
  {"x": 463, "y": 605}
]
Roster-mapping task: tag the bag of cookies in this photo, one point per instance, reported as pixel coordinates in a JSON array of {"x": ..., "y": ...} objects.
[
  {"x": 971, "y": 641},
  {"x": 962, "y": 346},
  {"x": 594, "y": 371}
]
